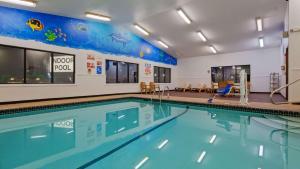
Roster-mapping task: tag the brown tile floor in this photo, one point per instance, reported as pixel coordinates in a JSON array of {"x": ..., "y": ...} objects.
[{"x": 256, "y": 101}]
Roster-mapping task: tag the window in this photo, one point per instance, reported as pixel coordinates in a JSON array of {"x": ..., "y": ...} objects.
[
  {"x": 11, "y": 65},
  {"x": 38, "y": 67},
  {"x": 121, "y": 72},
  {"x": 133, "y": 73},
  {"x": 21, "y": 65},
  {"x": 225, "y": 73},
  {"x": 162, "y": 75},
  {"x": 63, "y": 68}
]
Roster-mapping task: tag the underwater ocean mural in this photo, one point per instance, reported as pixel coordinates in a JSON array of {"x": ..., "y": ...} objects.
[{"x": 79, "y": 34}]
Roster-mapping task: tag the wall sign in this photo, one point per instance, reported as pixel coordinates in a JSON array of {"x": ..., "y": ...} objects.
[
  {"x": 148, "y": 69},
  {"x": 78, "y": 34},
  {"x": 94, "y": 65},
  {"x": 63, "y": 64}
]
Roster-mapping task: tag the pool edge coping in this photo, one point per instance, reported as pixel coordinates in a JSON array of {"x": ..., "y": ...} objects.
[{"x": 246, "y": 108}]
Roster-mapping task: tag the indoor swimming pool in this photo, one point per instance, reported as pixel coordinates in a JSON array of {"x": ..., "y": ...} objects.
[{"x": 141, "y": 134}]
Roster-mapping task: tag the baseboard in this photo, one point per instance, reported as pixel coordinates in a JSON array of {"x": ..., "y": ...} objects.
[{"x": 63, "y": 98}]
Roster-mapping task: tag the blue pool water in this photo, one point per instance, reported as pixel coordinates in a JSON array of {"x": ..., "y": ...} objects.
[{"x": 140, "y": 134}]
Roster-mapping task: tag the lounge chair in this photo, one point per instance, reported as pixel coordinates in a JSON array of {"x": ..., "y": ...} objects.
[
  {"x": 200, "y": 88},
  {"x": 214, "y": 87},
  {"x": 226, "y": 91},
  {"x": 186, "y": 87}
]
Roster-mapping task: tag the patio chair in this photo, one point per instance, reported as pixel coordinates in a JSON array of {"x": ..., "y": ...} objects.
[{"x": 144, "y": 88}]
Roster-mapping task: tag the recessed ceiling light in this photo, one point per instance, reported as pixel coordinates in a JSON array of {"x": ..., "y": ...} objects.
[
  {"x": 141, "y": 29},
  {"x": 259, "y": 24},
  {"x": 21, "y": 2},
  {"x": 184, "y": 16},
  {"x": 261, "y": 42},
  {"x": 97, "y": 16},
  {"x": 200, "y": 34},
  {"x": 163, "y": 44},
  {"x": 213, "y": 49}
]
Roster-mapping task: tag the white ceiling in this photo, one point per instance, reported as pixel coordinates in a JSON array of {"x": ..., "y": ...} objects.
[{"x": 229, "y": 25}]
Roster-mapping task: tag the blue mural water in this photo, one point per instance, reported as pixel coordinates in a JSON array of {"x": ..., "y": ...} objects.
[{"x": 80, "y": 34}]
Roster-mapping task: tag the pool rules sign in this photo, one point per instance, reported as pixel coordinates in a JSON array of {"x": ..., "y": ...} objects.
[{"x": 63, "y": 64}]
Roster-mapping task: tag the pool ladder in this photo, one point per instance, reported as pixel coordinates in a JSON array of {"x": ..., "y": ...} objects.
[
  {"x": 277, "y": 90},
  {"x": 161, "y": 93}
]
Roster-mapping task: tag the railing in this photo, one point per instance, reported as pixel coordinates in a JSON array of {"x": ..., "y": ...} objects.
[
  {"x": 163, "y": 93},
  {"x": 277, "y": 90}
]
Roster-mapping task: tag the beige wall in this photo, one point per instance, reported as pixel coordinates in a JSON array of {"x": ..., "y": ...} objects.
[
  {"x": 85, "y": 84},
  {"x": 294, "y": 50},
  {"x": 196, "y": 70}
]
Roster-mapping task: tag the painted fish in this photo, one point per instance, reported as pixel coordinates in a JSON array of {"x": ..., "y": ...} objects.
[
  {"x": 35, "y": 24},
  {"x": 116, "y": 37}
]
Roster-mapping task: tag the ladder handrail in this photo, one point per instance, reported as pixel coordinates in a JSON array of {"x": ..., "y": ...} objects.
[
  {"x": 277, "y": 90},
  {"x": 163, "y": 92}
]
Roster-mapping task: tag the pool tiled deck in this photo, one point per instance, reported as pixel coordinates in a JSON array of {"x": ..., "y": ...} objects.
[{"x": 217, "y": 102}]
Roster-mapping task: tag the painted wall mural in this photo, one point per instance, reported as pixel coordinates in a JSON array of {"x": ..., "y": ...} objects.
[{"x": 79, "y": 34}]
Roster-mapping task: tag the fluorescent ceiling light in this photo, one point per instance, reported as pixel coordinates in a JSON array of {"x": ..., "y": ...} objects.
[
  {"x": 163, "y": 144},
  {"x": 212, "y": 139},
  {"x": 21, "y": 2},
  {"x": 261, "y": 151},
  {"x": 141, "y": 163},
  {"x": 213, "y": 49},
  {"x": 163, "y": 44},
  {"x": 97, "y": 16},
  {"x": 201, "y": 157},
  {"x": 184, "y": 16},
  {"x": 200, "y": 34},
  {"x": 141, "y": 29},
  {"x": 259, "y": 24},
  {"x": 261, "y": 42}
]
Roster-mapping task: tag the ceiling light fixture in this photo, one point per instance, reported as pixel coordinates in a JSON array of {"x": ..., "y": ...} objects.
[
  {"x": 163, "y": 144},
  {"x": 21, "y": 2},
  {"x": 213, "y": 49},
  {"x": 261, "y": 42},
  {"x": 200, "y": 34},
  {"x": 141, "y": 163},
  {"x": 259, "y": 24},
  {"x": 184, "y": 16},
  {"x": 141, "y": 29},
  {"x": 163, "y": 44},
  {"x": 201, "y": 157},
  {"x": 97, "y": 16}
]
